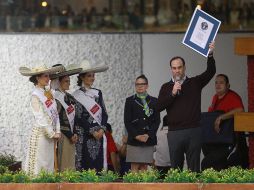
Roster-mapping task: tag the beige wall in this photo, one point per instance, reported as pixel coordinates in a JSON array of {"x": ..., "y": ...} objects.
[{"x": 121, "y": 52}]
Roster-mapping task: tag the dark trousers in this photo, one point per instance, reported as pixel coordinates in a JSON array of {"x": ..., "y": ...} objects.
[
  {"x": 185, "y": 142},
  {"x": 221, "y": 156},
  {"x": 215, "y": 156}
]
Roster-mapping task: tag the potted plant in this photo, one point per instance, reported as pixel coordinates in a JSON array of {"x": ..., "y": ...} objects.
[
  {"x": 229, "y": 179},
  {"x": 10, "y": 161}
]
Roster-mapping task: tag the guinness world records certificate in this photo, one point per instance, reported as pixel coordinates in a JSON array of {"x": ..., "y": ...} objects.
[{"x": 201, "y": 31}]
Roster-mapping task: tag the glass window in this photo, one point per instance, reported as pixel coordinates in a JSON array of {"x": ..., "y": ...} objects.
[{"x": 120, "y": 15}]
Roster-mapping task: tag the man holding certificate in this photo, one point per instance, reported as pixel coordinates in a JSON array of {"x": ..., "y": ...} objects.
[{"x": 181, "y": 98}]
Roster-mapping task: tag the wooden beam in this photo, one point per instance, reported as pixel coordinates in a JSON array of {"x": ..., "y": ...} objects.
[
  {"x": 244, "y": 45},
  {"x": 244, "y": 121}
]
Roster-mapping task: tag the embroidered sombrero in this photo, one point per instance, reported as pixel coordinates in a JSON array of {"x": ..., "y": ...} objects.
[
  {"x": 25, "y": 71},
  {"x": 67, "y": 71},
  {"x": 86, "y": 67}
]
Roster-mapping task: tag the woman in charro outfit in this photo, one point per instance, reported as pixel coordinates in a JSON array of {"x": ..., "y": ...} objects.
[
  {"x": 141, "y": 121},
  {"x": 66, "y": 110},
  {"x": 46, "y": 126},
  {"x": 91, "y": 115}
]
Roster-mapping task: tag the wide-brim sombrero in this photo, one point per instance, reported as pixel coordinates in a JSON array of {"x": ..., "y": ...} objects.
[
  {"x": 86, "y": 67},
  {"x": 67, "y": 71},
  {"x": 25, "y": 71}
]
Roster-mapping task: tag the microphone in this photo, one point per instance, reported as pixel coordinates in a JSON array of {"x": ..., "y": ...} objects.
[{"x": 177, "y": 79}]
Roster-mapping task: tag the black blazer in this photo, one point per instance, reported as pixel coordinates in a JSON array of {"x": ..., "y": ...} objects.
[{"x": 137, "y": 123}]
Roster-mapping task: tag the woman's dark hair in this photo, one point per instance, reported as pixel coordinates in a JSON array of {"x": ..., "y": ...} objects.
[
  {"x": 142, "y": 77},
  {"x": 79, "y": 82},
  {"x": 225, "y": 78},
  {"x": 34, "y": 80},
  {"x": 176, "y": 57}
]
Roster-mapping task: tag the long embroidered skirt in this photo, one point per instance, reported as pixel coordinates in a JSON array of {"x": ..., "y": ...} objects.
[{"x": 40, "y": 155}]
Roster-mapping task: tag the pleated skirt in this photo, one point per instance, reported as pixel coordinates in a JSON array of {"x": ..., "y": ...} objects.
[{"x": 140, "y": 154}]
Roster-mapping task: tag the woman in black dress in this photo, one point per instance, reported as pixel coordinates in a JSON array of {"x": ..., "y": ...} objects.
[
  {"x": 91, "y": 120},
  {"x": 141, "y": 121}
]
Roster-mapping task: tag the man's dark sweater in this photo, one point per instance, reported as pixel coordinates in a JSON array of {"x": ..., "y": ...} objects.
[{"x": 184, "y": 110}]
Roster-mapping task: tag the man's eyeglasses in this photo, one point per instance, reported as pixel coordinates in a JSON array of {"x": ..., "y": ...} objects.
[{"x": 140, "y": 84}]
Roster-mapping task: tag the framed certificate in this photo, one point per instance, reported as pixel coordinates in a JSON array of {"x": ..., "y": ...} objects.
[{"x": 201, "y": 31}]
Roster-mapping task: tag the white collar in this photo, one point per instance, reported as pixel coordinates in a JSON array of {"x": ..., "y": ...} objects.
[
  {"x": 40, "y": 89},
  {"x": 181, "y": 81}
]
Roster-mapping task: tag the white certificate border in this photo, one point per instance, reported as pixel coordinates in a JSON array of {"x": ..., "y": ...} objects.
[{"x": 217, "y": 25}]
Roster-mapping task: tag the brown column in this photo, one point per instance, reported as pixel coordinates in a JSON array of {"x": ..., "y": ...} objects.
[
  {"x": 245, "y": 46},
  {"x": 251, "y": 83},
  {"x": 251, "y": 105}
]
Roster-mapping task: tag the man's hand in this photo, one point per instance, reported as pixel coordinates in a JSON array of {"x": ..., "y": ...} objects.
[
  {"x": 211, "y": 47},
  {"x": 177, "y": 87}
]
